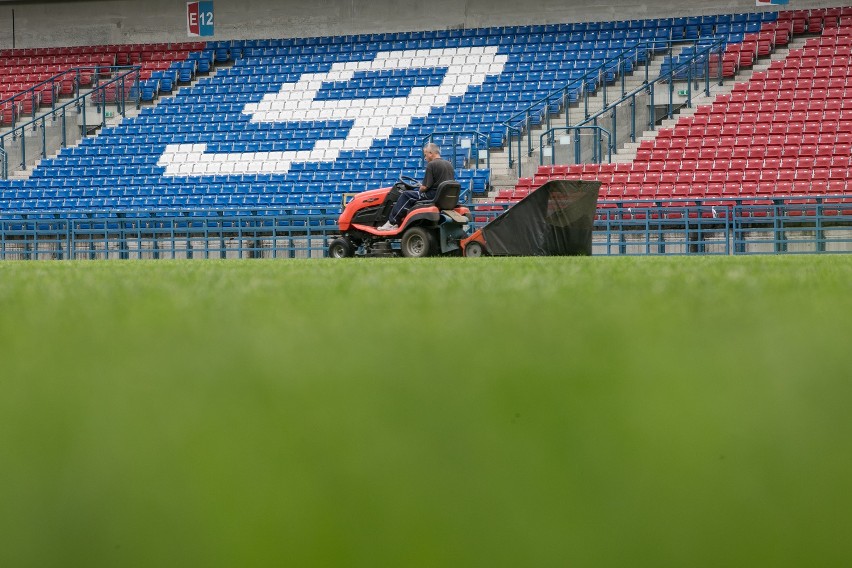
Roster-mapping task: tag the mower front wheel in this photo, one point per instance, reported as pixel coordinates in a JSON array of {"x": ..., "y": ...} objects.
[
  {"x": 417, "y": 242},
  {"x": 340, "y": 248},
  {"x": 474, "y": 249}
]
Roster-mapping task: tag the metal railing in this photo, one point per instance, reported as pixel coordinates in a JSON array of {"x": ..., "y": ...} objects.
[
  {"x": 462, "y": 145},
  {"x": 726, "y": 227},
  {"x": 465, "y": 147},
  {"x": 53, "y": 85},
  {"x": 105, "y": 91},
  {"x": 716, "y": 226},
  {"x": 815, "y": 224},
  {"x": 165, "y": 234},
  {"x": 596, "y": 148},
  {"x": 541, "y": 112},
  {"x": 628, "y": 105}
]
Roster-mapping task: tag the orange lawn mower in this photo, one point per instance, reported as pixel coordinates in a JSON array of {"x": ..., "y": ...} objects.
[
  {"x": 555, "y": 219},
  {"x": 429, "y": 228}
]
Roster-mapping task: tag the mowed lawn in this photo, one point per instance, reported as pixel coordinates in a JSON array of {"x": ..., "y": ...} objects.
[{"x": 439, "y": 412}]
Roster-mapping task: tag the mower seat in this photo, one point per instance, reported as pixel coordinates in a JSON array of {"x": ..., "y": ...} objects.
[
  {"x": 446, "y": 200},
  {"x": 448, "y": 195}
]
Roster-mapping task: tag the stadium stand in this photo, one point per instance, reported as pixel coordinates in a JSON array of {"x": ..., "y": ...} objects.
[
  {"x": 787, "y": 132},
  {"x": 302, "y": 122}
]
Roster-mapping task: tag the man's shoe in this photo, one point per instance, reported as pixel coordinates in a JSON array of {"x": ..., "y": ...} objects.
[{"x": 388, "y": 226}]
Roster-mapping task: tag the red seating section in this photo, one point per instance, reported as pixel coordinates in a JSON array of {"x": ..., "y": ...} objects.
[{"x": 786, "y": 132}]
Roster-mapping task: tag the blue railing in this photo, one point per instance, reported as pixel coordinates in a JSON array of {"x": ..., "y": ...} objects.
[
  {"x": 165, "y": 233},
  {"x": 811, "y": 224},
  {"x": 726, "y": 227}
]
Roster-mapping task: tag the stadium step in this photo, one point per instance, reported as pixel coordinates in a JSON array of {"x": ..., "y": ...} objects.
[{"x": 504, "y": 177}]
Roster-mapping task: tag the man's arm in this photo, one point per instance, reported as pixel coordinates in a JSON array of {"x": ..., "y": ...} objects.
[{"x": 428, "y": 179}]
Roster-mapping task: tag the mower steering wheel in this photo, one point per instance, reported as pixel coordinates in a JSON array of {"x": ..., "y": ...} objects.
[{"x": 409, "y": 182}]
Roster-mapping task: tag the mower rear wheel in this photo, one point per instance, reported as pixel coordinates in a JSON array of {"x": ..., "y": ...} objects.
[
  {"x": 474, "y": 249},
  {"x": 340, "y": 248},
  {"x": 417, "y": 242}
]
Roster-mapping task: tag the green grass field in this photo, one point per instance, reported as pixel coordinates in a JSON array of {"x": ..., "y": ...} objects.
[{"x": 532, "y": 412}]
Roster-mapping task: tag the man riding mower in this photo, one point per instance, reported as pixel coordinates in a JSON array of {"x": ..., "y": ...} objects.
[{"x": 430, "y": 227}]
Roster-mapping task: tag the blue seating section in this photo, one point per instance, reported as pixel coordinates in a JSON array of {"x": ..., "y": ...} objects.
[{"x": 244, "y": 137}]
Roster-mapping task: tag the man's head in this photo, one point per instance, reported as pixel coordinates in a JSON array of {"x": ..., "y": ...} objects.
[{"x": 431, "y": 151}]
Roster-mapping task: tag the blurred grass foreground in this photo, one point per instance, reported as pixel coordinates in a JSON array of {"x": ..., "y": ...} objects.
[{"x": 437, "y": 412}]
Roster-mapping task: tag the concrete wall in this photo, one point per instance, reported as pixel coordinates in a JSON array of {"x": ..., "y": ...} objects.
[{"x": 91, "y": 22}]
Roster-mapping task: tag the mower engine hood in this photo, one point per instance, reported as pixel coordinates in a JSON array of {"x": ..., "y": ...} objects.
[{"x": 364, "y": 199}]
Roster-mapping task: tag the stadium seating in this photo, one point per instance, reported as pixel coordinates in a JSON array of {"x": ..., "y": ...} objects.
[
  {"x": 302, "y": 122},
  {"x": 787, "y": 132},
  {"x": 306, "y": 121}
]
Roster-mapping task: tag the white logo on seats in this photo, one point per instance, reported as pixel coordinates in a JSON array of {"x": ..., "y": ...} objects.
[{"x": 374, "y": 118}]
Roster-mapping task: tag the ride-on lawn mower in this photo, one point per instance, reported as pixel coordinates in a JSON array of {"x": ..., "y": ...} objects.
[
  {"x": 433, "y": 227},
  {"x": 553, "y": 220}
]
